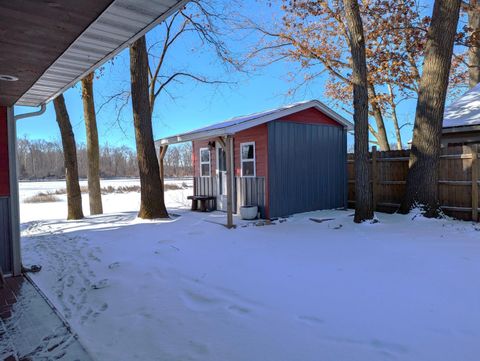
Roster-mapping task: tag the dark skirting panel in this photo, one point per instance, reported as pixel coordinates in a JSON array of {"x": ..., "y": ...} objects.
[
  {"x": 5, "y": 236},
  {"x": 307, "y": 167}
]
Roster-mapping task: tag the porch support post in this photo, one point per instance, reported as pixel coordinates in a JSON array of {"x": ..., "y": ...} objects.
[
  {"x": 229, "y": 155},
  {"x": 161, "y": 156},
  {"x": 14, "y": 197}
]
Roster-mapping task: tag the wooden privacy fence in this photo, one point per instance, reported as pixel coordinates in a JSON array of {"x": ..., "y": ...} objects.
[{"x": 458, "y": 180}]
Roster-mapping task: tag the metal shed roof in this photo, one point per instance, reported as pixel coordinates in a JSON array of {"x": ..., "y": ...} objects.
[
  {"x": 234, "y": 125},
  {"x": 463, "y": 112},
  {"x": 119, "y": 25}
]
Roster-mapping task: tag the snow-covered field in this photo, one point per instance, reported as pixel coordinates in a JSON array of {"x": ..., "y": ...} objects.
[
  {"x": 111, "y": 202},
  {"x": 406, "y": 288}
]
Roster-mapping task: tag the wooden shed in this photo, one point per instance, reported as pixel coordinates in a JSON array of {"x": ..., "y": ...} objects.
[
  {"x": 461, "y": 121},
  {"x": 287, "y": 160}
]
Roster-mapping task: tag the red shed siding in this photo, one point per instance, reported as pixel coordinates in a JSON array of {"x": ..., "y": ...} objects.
[
  {"x": 310, "y": 116},
  {"x": 259, "y": 135},
  {"x": 196, "y": 145},
  {"x": 4, "y": 164}
]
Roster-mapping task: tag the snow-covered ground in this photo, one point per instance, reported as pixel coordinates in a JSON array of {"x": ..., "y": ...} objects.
[
  {"x": 406, "y": 288},
  {"x": 113, "y": 202}
]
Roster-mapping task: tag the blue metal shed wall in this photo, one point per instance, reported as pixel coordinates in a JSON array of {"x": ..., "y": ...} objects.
[
  {"x": 5, "y": 235},
  {"x": 307, "y": 167}
]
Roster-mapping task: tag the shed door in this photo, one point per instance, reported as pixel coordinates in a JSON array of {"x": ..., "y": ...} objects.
[{"x": 221, "y": 179}]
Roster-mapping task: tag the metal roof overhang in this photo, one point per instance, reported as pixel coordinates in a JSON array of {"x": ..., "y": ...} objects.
[
  {"x": 182, "y": 138},
  {"x": 118, "y": 26},
  {"x": 461, "y": 128},
  {"x": 232, "y": 129}
]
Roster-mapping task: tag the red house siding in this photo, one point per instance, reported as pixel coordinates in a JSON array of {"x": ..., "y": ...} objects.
[
  {"x": 310, "y": 116},
  {"x": 4, "y": 164}
]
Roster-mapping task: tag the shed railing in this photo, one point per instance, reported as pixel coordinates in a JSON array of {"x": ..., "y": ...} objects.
[{"x": 247, "y": 191}]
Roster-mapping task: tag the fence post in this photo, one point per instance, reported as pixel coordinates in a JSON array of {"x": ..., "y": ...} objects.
[
  {"x": 474, "y": 152},
  {"x": 374, "y": 177}
]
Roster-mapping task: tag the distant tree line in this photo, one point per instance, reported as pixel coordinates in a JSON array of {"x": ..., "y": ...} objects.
[
  {"x": 178, "y": 161},
  {"x": 42, "y": 159}
]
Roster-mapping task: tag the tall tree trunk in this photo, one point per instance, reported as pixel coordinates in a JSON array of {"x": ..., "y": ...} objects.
[
  {"x": 398, "y": 134},
  {"x": 93, "y": 149},
  {"x": 152, "y": 201},
  {"x": 363, "y": 187},
  {"x": 382, "y": 137},
  {"x": 474, "y": 50},
  {"x": 74, "y": 196},
  {"x": 396, "y": 126},
  {"x": 422, "y": 178}
]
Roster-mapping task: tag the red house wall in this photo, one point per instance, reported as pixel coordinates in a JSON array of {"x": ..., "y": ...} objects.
[
  {"x": 4, "y": 164},
  {"x": 310, "y": 116}
]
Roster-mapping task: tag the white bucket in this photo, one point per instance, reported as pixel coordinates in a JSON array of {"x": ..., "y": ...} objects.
[{"x": 248, "y": 212}]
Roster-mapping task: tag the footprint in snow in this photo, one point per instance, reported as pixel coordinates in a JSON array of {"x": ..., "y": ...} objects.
[
  {"x": 70, "y": 281},
  {"x": 114, "y": 265},
  {"x": 239, "y": 309},
  {"x": 311, "y": 319},
  {"x": 100, "y": 284}
]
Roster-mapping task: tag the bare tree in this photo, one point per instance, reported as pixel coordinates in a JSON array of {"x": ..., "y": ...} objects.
[
  {"x": 312, "y": 34},
  {"x": 356, "y": 40},
  {"x": 93, "y": 152},
  {"x": 202, "y": 19},
  {"x": 152, "y": 204},
  {"x": 209, "y": 23},
  {"x": 74, "y": 196},
  {"x": 422, "y": 179},
  {"x": 473, "y": 11}
]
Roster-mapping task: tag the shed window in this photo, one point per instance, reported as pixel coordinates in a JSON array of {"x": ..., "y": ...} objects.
[
  {"x": 247, "y": 154},
  {"x": 204, "y": 162}
]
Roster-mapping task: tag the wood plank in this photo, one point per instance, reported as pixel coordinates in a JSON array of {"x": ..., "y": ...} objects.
[
  {"x": 374, "y": 177},
  {"x": 455, "y": 183},
  {"x": 474, "y": 165},
  {"x": 229, "y": 155}
]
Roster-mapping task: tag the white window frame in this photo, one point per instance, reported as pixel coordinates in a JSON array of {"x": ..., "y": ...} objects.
[
  {"x": 254, "y": 160},
  {"x": 202, "y": 162}
]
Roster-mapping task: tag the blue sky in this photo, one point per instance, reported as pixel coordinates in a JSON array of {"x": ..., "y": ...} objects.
[{"x": 195, "y": 105}]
